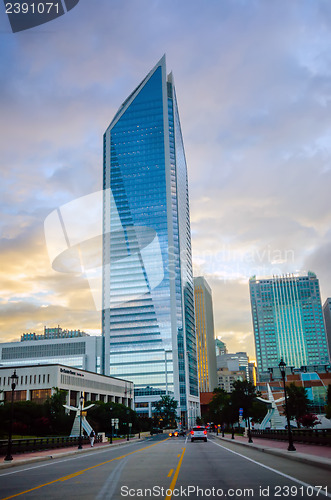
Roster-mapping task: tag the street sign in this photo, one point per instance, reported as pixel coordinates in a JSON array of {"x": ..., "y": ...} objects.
[{"x": 241, "y": 411}]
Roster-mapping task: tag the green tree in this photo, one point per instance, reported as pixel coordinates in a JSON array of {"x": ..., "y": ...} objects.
[
  {"x": 217, "y": 406},
  {"x": 243, "y": 396},
  {"x": 165, "y": 411},
  {"x": 297, "y": 402},
  {"x": 60, "y": 421}
]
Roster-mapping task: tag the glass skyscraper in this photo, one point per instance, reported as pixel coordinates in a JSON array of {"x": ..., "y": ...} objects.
[
  {"x": 148, "y": 295},
  {"x": 288, "y": 322}
]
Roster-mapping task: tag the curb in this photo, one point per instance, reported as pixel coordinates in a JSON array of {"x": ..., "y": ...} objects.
[
  {"x": 323, "y": 463},
  {"x": 26, "y": 461}
]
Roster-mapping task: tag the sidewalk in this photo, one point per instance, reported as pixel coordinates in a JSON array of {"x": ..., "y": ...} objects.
[
  {"x": 38, "y": 456},
  {"x": 307, "y": 453}
]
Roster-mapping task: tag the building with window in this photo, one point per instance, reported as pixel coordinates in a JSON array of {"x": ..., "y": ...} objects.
[
  {"x": 148, "y": 319},
  {"x": 53, "y": 333},
  {"x": 220, "y": 347},
  {"x": 288, "y": 322},
  {"x": 204, "y": 324},
  {"x": 38, "y": 382},
  {"x": 327, "y": 319},
  {"x": 78, "y": 352}
]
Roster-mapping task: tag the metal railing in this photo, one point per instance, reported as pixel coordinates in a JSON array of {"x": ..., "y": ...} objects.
[
  {"x": 43, "y": 443},
  {"x": 313, "y": 436}
]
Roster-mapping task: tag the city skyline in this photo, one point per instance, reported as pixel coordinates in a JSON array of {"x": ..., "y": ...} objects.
[{"x": 255, "y": 118}]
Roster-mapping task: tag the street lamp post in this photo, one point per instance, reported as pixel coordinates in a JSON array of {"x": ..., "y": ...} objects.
[
  {"x": 14, "y": 380},
  {"x": 111, "y": 425},
  {"x": 250, "y": 440},
  {"x": 291, "y": 447},
  {"x": 127, "y": 423},
  {"x": 81, "y": 401}
]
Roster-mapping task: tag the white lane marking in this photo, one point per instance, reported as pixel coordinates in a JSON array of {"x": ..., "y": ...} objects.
[
  {"x": 109, "y": 487},
  {"x": 271, "y": 469},
  {"x": 59, "y": 461}
]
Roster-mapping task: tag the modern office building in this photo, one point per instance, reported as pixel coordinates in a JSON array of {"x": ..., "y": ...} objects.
[
  {"x": 288, "y": 322},
  {"x": 38, "y": 382},
  {"x": 53, "y": 333},
  {"x": 234, "y": 361},
  {"x": 148, "y": 320},
  {"x": 204, "y": 324},
  {"x": 225, "y": 378},
  {"x": 79, "y": 352},
  {"x": 327, "y": 319},
  {"x": 220, "y": 347}
]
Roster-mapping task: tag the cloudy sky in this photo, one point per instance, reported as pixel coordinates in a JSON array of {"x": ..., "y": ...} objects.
[{"x": 254, "y": 92}]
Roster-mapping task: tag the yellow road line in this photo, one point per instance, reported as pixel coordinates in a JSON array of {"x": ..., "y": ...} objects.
[
  {"x": 65, "y": 478},
  {"x": 170, "y": 472},
  {"x": 174, "y": 479}
]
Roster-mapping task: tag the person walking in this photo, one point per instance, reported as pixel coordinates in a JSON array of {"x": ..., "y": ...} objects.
[{"x": 92, "y": 436}]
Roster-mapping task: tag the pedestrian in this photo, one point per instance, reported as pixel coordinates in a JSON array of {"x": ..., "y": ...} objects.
[{"x": 92, "y": 436}]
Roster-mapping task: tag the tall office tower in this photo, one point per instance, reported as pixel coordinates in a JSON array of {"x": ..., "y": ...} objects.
[
  {"x": 288, "y": 322},
  {"x": 148, "y": 310},
  {"x": 204, "y": 325},
  {"x": 327, "y": 319}
]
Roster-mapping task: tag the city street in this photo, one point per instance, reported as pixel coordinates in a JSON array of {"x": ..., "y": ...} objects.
[{"x": 162, "y": 467}]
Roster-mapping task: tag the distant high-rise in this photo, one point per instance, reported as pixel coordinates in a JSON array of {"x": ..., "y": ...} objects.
[
  {"x": 327, "y": 319},
  {"x": 220, "y": 347},
  {"x": 288, "y": 322},
  {"x": 148, "y": 311},
  {"x": 204, "y": 323}
]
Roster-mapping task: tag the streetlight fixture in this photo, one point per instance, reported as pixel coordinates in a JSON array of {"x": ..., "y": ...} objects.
[
  {"x": 81, "y": 401},
  {"x": 127, "y": 423},
  {"x": 291, "y": 447},
  {"x": 14, "y": 381},
  {"x": 111, "y": 425}
]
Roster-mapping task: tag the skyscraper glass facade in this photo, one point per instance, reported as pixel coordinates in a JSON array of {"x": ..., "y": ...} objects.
[
  {"x": 288, "y": 322},
  {"x": 148, "y": 310}
]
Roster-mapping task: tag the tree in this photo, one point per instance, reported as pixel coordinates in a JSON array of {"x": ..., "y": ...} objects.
[
  {"x": 297, "y": 402},
  {"x": 243, "y": 396},
  {"x": 60, "y": 422},
  {"x": 309, "y": 420},
  {"x": 165, "y": 411},
  {"x": 217, "y": 405}
]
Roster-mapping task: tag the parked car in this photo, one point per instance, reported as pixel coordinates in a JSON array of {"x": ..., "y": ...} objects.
[
  {"x": 156, "y": 430},
  {"x": 198, "y": 433}
]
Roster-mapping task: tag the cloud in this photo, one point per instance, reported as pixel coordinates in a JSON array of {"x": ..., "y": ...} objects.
[{"x": 254, "y": 92}]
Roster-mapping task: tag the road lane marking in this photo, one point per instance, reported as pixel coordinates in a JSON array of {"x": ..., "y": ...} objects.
[
  {"x": 271, "y": 469},
  {"x": 58, "y": 461},
  {"x": 109, "y": 487},
  {"x": 65, "y": 478},
  {"x": 174, "y": 479},
  {"x": 170, "y": 472}
]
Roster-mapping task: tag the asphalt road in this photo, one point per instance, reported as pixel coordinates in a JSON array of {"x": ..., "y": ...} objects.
[{"x": 162, "y": 467}]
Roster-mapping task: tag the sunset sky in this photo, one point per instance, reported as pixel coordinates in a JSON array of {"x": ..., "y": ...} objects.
[{"x": 253, "y": 82}]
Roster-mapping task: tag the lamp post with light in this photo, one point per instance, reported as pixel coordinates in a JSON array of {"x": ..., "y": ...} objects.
[
  {"x": 111, "y": 425},
  {"x": 127, "y": 423},
  {"x": 81, "y": 401},
  {"x": 291, "y": 447},
  {"x": 14, "y": 381}
]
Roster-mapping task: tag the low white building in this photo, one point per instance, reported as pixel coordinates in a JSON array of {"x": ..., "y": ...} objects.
[{"x": 38, "y": 382}]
